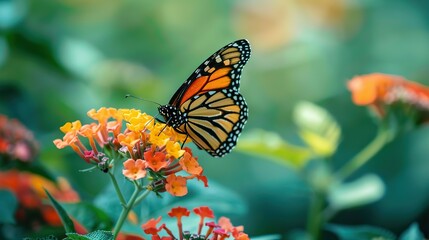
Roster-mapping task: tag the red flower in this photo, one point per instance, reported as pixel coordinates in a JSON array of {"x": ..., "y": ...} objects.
[
  {"x": 155, "y": 160},
  {"x": 179, "y": 212},
  {"x": 150, "y": 226},
  {"x": 203, "y": 212},
  {"x": 222, "y": 230}
]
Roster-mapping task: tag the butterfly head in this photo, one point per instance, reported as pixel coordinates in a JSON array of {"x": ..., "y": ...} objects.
[{"x": 172, "y": 116}]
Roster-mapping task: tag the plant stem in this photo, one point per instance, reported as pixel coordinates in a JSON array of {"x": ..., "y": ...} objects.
[
  {"x": 142, "y": 196},
  {"x": 125, "y": 210},
  {"x": 117, "y": 189},
  {"x": 315, "y": 216},
  {"x": 383, "y": 137}
]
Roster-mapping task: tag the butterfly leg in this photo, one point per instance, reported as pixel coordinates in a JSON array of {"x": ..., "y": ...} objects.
[
  {"x": 183, "y": 143},
  {"x": 166, "y": 124}
]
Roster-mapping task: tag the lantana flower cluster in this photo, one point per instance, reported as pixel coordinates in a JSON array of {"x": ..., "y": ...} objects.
[
  {"x": 150, "y": 150},
  {"x": 16, "y": 141},
  {"x": 382, "y": 92},
  {"x": 33, "y": 209},
  {"x": 222, "y": 229}
]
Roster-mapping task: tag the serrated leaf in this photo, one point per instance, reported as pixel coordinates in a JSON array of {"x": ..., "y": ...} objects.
[
  {"x": 366, "y": 189},
  {"x": 65, "y": 219},
  {"x": 413, "y": 232},
  {"x": 8, "y": 206},
  {"x": 96, "y": 235},
  {"x": 270, "y": 145},
  {"x": 318, "y": 129},
  {"x": 360, "y": 232}
]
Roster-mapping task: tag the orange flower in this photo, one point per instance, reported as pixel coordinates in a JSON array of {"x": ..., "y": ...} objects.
[
  {"x": 134, "y": 169},
  {"x": 71, "y": 139},
  {"x": 155, "y": 160},
  {"x": 129, "y": 140},
  {"x": 103, "y": 114},
  {"x": 176, "y": 185},
  {"x": 90, "y": 131},
  {"x": 237, "y": 232},
  {"x": 203, "y": 212},
  {"x": 190, "y": 164},
  {"x": 150, "y": 226},
  {"x": 179, "y": 212},
  {"x": 378, "y": 90}
]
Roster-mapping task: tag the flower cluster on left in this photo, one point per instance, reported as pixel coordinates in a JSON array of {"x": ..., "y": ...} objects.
[
  {"x": 23, "y": 201},
  {"x": 16, "y": 142},
  {"x": 148, "y": 149}
]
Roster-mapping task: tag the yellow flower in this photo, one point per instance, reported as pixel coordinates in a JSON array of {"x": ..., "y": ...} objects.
[
  {"x": 158, "y": 135},
  {"x": 136, "y": 121},
  {"x": 69, "y": 127},
  {"x": 174, "y": 150}
]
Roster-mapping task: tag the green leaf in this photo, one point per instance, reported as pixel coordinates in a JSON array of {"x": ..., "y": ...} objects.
[
  {"x": 65, "y": 219},
  {"x": 413, "y": 232},
  {"x": 90, "y": 216},
  {"x": 272, "y": 146},
  {"x": 365, "y": 190},
  {"x": 360, "y": 232},
  {"x": 318, "y": 129},
  {"x": 8, "y": 206},
  {"x": 97, "y": 235}
]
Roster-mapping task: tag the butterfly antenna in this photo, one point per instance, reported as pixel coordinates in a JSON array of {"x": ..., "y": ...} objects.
[
  {"x": 132, "y": 96},
  {"x": 152, "y": 120}
]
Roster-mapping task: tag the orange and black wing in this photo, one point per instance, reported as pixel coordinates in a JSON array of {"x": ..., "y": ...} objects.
[
  {"x": 215, "y": 120},
  {"x": 208, "y": 106},
  {"x": 222, "y": 70}
]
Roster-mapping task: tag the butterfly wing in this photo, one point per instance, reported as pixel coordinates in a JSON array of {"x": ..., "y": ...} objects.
[
  {"x": 221, "y": 70},
  {"x": 209, "y": 100},
  {"x": 215, "y": 119}
]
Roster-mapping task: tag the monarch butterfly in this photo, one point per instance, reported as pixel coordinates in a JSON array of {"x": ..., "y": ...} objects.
[{"x": 208, "y": 106}]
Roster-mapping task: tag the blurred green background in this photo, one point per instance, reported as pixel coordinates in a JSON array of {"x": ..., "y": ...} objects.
[{"x": 58, "y": 59}]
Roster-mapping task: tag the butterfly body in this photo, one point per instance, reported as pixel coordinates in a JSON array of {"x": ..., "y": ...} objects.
[{"x": 208, "y": 107}]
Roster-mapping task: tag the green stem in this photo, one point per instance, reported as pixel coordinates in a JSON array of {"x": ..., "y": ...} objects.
[
  {"x": 142, "y": 196},
  {"x": 117, "y": 189},
  {"x": 125, "y": 210},
  {"x": 315, "y": 216},
  {"x": 383, "y": 137}
]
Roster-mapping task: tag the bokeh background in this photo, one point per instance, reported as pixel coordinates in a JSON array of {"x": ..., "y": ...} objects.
[{"x": 58, "y": 59}]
